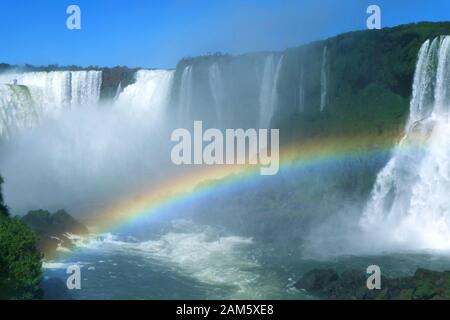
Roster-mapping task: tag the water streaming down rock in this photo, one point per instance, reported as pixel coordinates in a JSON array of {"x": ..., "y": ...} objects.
[
  {"x": 323, "y": 80},
  {"x": 148, "y": 95},
  {"x": 56, "y": 90},
  {"x": 268, "y": 97},
  {"x": 16, "y": 109},
  {"x": 217, "y": 90},
  {"x": 118, "y": 91},
  {"x": 85, "y": 87},
  {"x": 301, "y": 91},
  {"x": 185, "y": 96},
  {"x": 49, "y": 93},
  {"x": 410, "y": 203}
]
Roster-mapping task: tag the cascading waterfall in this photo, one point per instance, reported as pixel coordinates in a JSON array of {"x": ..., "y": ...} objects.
[
  {"x": 185, "y": 96},
  {"x": 217, "y": 90},
  {"x": 118, "y": 91},
  {"x": 85, "y": 88},
  {"x": 56, "y": 90},
  {"x": 16, "y": 109},
  {"x": 268, "y": 97},
  {"x": 424, "y": 82},
  {"x": 40, "y": 95},
  {"x": 323, "y": 80},
  {"x": 410, "y": 204},
  {"x": 149, "y": 94},
  {"x": 49, "y": 93}
]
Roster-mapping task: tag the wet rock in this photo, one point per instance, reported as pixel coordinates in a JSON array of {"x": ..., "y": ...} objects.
[
  {"x": 315, "y": 280},
  {"x": 53, "y": 229},
  {"x": 351, "y": 284}
]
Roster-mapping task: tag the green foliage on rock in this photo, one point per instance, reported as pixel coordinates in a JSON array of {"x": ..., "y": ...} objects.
[
  {"x": 369, "y": 82},
  {"x": 56, "y": 224},
  {"x": 52, "y": 230},
  {"x": 423, "y": 285},
  {"x": 20, "y": 261}
]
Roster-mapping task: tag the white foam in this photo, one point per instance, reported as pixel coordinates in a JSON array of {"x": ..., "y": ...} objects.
[
  {"x": 409, "y": 205},
  {"x": 148, "y": 95},
  {"x": 202, "y": 254},
  {"x": 55, "y": 265}
]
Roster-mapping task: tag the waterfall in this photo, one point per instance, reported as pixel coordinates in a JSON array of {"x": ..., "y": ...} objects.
[
  {"x": 217, "y": 90},
  {"x": 16, "y": 109},
  {"x": 56, "y": 90},
  {"x": 268, "y": 97},
  {"x": 301, "y": 92},
  {"x": 51, "y": 91},
  {"x": 323, "y": 80},
  {"x": 410, "y": 202},
  {"x": 85, "y": 88},
  {"x": 39, "y": 95},
  {"x": 118, "y": 91},
  {"x": 148, "y": 94},
  {"x": 185, "y": 95}
]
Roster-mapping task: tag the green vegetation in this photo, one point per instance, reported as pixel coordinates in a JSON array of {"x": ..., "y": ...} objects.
[
  {"x": 56, "y": 224},
  {"x": 351, "y": 284},
  {"x": 23, "y": 241},
  {"x": 369, "y": 82},
  {"x": 20, "y": 261},
  {"x": 52, "y": 230}
]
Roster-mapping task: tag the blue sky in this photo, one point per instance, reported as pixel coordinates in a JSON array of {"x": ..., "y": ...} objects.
[{"x": 158, "y": 33}]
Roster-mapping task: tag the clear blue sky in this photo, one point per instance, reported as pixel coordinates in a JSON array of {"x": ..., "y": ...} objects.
[{"x": 158, "y": 33}]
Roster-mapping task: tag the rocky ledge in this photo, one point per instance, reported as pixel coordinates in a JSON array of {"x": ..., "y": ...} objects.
[
  {"x": 328, "y": 284},
  {"x": 53, "y": 230}
]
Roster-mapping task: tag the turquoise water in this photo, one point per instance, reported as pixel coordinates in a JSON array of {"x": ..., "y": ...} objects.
[{"x": 204, "y": 264}]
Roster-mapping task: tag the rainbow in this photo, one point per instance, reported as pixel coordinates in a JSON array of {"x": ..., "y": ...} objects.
[
  {"x": 208, "y": 180},
  {"x": 212, "y": 179}
]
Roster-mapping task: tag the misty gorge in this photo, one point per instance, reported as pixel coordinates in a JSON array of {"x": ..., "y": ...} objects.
[{"x": 363, "y": 166}]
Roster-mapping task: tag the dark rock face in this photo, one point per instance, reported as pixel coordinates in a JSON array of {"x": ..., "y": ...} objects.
[
  {"x": 54, "y": 224},
  {"x": 112, "y": 77},
  {"x": 3, "y": 209},
  {"x": 53, "y": 229},
  {"x": 327, "y": 284},
  {"x": 315, "y": 280}
]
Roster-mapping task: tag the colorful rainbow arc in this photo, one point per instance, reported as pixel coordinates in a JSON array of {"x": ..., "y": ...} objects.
[
  {"x": 199, "y": 182},
  {"x": 212, "y": 179}
]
